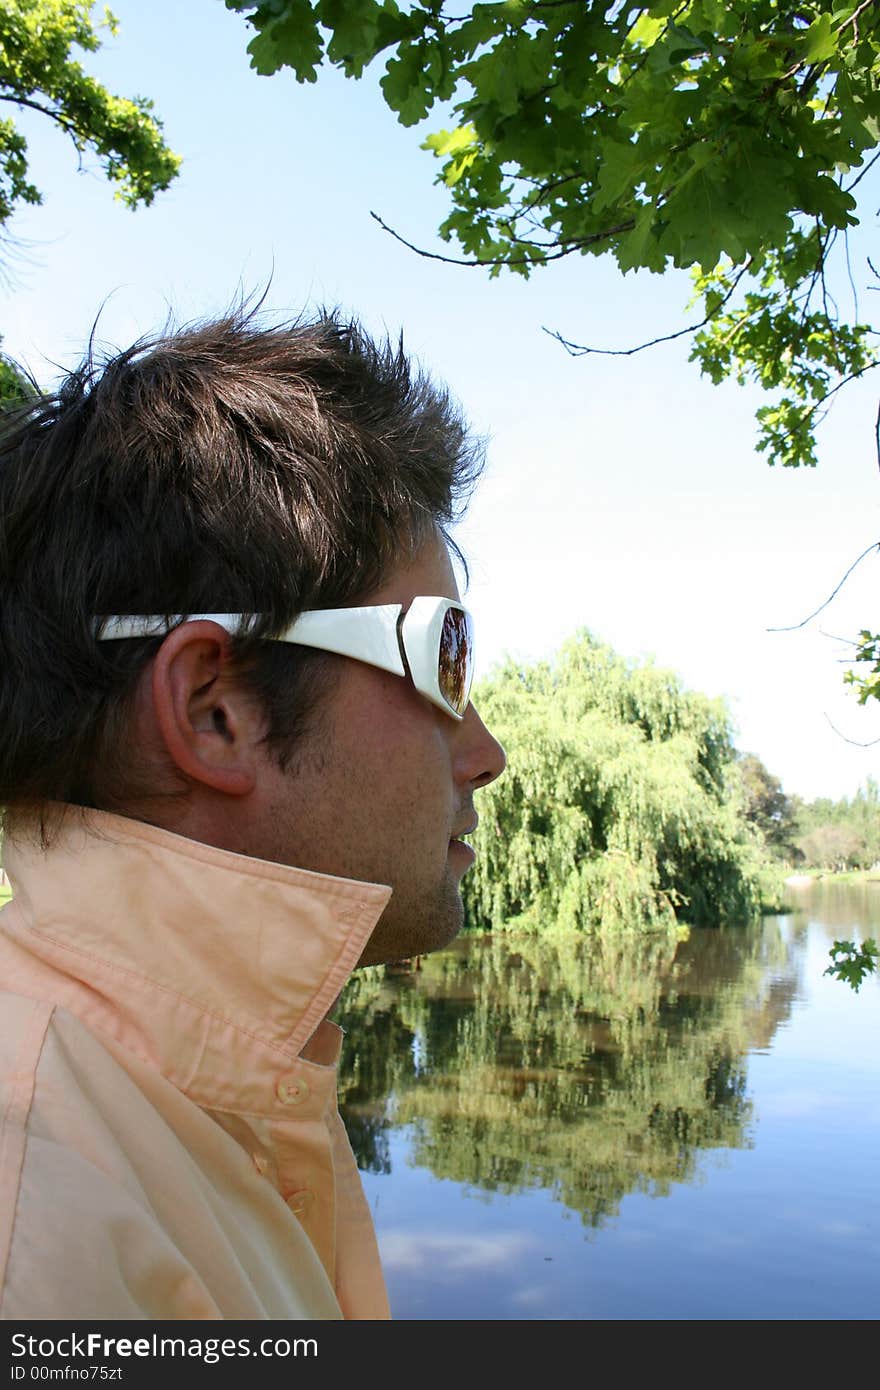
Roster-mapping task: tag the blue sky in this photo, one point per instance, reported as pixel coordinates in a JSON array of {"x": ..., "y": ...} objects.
[{"x": 623, "y": 495}]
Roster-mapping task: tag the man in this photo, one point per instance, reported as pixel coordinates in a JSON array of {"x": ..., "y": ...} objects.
[{"x": 225, "y": 789}]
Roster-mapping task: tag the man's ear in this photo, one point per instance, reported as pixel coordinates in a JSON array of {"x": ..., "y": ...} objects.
[{"x": 209, "y": 727}]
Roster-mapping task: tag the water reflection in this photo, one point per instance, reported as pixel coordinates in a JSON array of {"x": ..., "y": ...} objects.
[
  {"x": 584, "y": 1066},
  {"x": 844, "y": 908}
]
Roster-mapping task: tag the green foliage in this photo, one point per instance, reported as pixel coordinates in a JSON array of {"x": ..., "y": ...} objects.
[
  {"x": 15, "y": 389},
  {"x": 866, "y": 683},
  {"x": 621, "y": 804},
  {"x": 836, "y": 848},
  {"x": 767, "y": 807},
  {"x": 38, "y": 70},
  {"x": 718, "y": 136},
  {"x": 782, "y": 333},
  {"x": 840, "y": 835},
  {"x": 851, "y": 962}
]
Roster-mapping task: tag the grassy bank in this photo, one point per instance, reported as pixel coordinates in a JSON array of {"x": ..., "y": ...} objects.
[{"x": 838, "y": 876}]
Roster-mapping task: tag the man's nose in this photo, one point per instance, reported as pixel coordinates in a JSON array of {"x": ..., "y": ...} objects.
[{"x": 482, "y": 757}]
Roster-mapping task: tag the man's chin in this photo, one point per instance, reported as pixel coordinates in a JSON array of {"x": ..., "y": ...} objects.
[{"x": 394, "y": 941}]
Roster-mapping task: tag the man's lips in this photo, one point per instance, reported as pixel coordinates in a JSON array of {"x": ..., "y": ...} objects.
[
  {"x": 465, "y": 830},
  {"x": 460, "y": 846}
]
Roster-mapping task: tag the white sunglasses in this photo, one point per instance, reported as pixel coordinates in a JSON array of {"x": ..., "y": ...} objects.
[{"x": 433, "y": 641}]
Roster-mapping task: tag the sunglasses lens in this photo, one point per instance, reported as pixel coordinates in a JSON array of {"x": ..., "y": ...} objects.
[{"x": 456, "y": 659}]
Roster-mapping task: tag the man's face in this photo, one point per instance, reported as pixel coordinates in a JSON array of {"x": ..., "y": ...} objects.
[{"x": 384, "y": 784}]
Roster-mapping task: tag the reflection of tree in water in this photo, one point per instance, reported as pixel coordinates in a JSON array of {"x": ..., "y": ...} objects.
[
  {"x": 584, "y": 1066},
  {"x": 846, "y": 908},
  {"x": 377, "y": 1059}
]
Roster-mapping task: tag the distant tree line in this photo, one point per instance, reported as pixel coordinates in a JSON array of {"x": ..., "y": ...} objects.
[
  {"x": 826, "y": 835},
  {"x": 834, "y": 836}
]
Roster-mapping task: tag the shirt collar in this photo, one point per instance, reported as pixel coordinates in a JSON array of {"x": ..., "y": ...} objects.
[{"x": 180, "y": 940}]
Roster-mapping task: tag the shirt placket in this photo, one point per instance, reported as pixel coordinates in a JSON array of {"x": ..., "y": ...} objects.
[{"x": 301, "y": 1146}]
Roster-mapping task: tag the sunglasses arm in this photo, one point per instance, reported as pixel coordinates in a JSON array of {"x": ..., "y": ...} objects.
[{"x": 366, "y": 634}]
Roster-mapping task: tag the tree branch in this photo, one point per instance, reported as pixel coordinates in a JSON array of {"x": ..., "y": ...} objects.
[
  {"x": 823, "y": 246},
  {"x": 854, "y": 741},
  {"x": 853, "y": 376},
  {"x": 62, "y": 120},
  {"x": 544, "y": 190},
  {"x": 854, "y": 18},
  {"x": 867, "y": 169},
  {"x": 875, "y": 545},
  {"x": 852, "y": 283},
  {"x": 576, "y": 245},
  {"x": 577, "y": 350}
]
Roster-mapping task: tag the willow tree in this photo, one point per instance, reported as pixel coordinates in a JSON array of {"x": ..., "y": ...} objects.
[{"x": 622, "y": 804}]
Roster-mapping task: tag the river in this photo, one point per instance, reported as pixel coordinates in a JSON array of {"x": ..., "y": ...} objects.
[{"x": 584, "y": 1129}]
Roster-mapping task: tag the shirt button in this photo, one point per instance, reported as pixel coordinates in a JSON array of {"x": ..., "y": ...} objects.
[
  {"x": 291, "y": 1090},
  {"x": 300, "y": 1202}
]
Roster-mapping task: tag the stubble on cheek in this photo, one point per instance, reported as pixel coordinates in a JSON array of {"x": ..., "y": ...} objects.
[
  {"x": 374, "y": 802},
  {"x": 425, "y": 912}
]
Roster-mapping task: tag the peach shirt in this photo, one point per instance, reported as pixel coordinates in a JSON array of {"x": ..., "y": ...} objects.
[{"x": 170, "y": 1145}]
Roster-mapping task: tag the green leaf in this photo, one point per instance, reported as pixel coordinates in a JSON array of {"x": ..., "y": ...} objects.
[
  {"x": 620, "y": 169},
  {"x": 451, "y": 142},
  {"x": 406, "y": 85},
  {"x": 287, "y": 37},
  {"x": 639, "y": 249},
  {"x": 852, "y": 963},
  {"x": 646, "y": 30},
  {"x": 819, "y": 43}
]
